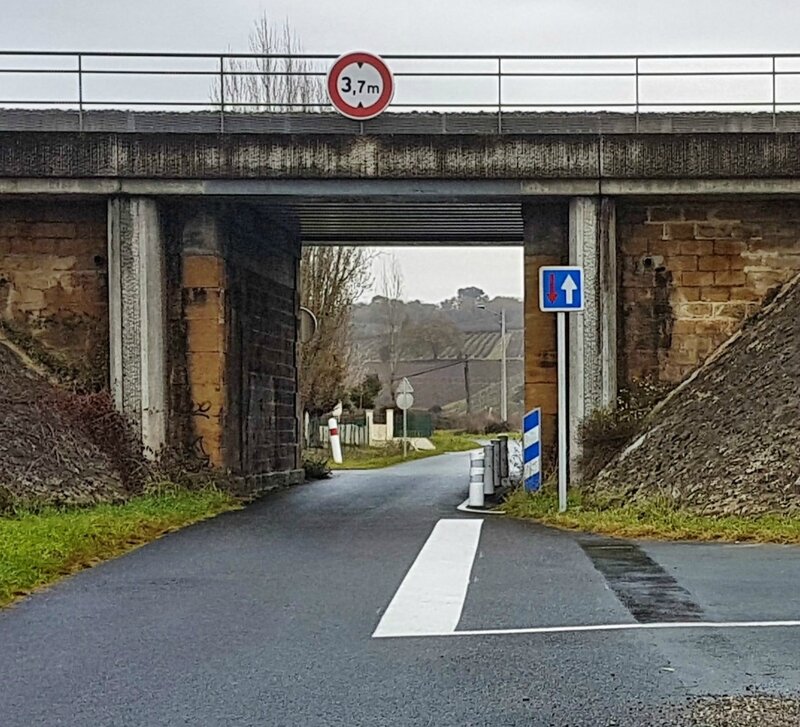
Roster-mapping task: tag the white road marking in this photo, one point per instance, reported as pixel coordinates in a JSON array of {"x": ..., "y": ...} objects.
[
  {"x": 430, "y": 598},
  {"x": 610, "y": 627}
]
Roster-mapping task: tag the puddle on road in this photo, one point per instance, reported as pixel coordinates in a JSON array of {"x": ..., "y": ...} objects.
[{"x": 650, "y": 593}]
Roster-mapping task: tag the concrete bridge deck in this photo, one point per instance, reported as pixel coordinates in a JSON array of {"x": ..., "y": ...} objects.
[{"x": 162, "y": 153}]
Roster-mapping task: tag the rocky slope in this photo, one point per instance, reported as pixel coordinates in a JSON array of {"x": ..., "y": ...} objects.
[{"x": 727, "y": 441}]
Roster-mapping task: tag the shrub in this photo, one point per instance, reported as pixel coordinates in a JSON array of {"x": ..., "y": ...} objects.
[
  {"x": 496, "y": 427},
  {"x": 606, "y": 432},
  {"x": 7, "y": 501},
  {"x": 315, "y": 464},
  {"x": 482, "y": 422},
  {"x": 96, "y": 418}
]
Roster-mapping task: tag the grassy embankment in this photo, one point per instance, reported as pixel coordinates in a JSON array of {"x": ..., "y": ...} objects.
[
  {"x": 40, "y": 546},
  {"x": 656, "y": 520}
]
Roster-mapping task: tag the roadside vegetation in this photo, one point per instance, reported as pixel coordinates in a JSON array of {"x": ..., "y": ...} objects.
[
  {"x": 368, "y": 458},
  {"x": 40, "y": 545},
  {"x": 649, "y": 519},
  {"x": 606, "y": 432}
]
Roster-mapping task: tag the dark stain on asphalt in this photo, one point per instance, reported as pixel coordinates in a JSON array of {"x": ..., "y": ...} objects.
[{"x": 642, "y": 585}]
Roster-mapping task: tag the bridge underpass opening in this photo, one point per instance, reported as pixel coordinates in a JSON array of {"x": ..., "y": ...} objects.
[{"x": 450, "y": 346}]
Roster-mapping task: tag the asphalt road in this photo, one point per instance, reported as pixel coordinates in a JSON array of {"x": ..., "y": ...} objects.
[{"x": 266, "y": 617}]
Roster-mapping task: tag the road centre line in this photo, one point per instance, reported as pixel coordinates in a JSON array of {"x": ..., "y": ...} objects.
[
  {"x": 669, "y": 625},
  {"x": 431, "y": 597}
]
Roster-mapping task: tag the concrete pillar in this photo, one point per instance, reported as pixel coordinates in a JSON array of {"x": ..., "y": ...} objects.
[
  {"x": 137, "y": 316},
  {"x": 546, "y": 227},
  {"x": 592, "y": 333}
]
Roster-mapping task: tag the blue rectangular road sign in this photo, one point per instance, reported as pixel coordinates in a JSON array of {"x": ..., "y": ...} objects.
[{"x": 560, "y": 288}]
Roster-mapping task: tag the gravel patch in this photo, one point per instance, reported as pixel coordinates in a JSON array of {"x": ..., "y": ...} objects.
[{"x": 755, "y": 710}]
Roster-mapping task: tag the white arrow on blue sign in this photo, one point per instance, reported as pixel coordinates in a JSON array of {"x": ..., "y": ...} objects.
[{"x": 560, "y": 289}]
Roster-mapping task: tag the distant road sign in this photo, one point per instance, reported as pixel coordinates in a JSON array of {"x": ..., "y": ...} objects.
[
  {"x": 308, "y": 325},
  {"x": 404, "y": 398},
  {"x": 560, "y": 289},
  {"x": 360, "y": 85},
  {"x": 404, "y": 401},
  {"x": 404, "y": 387}
]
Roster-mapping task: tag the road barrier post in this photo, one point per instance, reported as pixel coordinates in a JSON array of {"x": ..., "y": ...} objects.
[
  {"x": 532, "y": 450},
  {"x": 488, "y": 470},
  {"x": 476, "y": 472},
  {"x": 496, "y": 463},
  {"x": 504, "y": 477},
  {"x": 336, "y": 444}
]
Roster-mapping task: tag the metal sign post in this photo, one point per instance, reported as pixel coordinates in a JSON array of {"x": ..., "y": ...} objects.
[
  {"x": 563, "y": 446},
  {"x": 561, "y": 292},
  {"x": 405, "y": 401},
  {"x": 405, "y": 433}
]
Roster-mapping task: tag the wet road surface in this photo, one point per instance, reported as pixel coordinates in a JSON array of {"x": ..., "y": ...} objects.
[{"x": 267, "y": 616}]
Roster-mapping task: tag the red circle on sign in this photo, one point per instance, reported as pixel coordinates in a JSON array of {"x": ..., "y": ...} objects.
[{"x": 361, "y": 112}]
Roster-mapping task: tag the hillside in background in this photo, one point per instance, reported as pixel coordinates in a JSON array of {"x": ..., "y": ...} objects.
[{"x": 429, "y": 343}]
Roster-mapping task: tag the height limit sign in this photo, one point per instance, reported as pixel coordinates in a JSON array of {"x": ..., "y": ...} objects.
[{"x": 360, "y": 85}]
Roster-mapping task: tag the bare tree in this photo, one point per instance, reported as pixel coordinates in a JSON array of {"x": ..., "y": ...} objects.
[
  {"x": 332, "y": 280},
  {"x": 276, "y": 79},
  {"x": 392, "y": 292}
]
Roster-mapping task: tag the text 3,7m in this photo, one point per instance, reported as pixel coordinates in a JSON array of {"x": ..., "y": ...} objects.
[{"x": 363, "y": 86}]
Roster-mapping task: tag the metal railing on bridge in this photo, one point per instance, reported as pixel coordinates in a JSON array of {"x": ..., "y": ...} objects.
[{"x": 497, "y": 84}]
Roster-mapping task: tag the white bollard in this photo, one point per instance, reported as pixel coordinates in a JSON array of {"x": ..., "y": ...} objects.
[
  {"x": 476, "y": 471},
  {"x": 336, "y": 444},
  {"x": 488, "y": 471}
]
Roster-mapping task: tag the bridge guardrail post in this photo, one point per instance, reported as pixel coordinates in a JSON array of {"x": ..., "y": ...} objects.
[
  {"x": 80, "y": 92},
  {"x": 774, "y": 97},
  {"x": 499, "y": 95},
  {"x": 636, "y": 75},
  {"x": 222, "y": 94}
]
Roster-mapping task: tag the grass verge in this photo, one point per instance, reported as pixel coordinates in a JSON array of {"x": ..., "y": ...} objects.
[
  {"x": 656, "y": 520},
  {"x": 40, "y": 547},
  {"x": 370, "y": 458}
]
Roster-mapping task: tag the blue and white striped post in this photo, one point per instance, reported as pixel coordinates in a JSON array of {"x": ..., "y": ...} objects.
[{"x": 532, "y": 447}]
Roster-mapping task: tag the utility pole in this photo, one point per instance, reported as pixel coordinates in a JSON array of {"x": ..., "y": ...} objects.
[
  {"x": 503, "y": 364},
  {"x": 504, "y": 372},
  {"x": 466, "y": 386}
]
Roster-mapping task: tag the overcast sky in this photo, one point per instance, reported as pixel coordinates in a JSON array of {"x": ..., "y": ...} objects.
[{"x": 416, "y": 26}]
